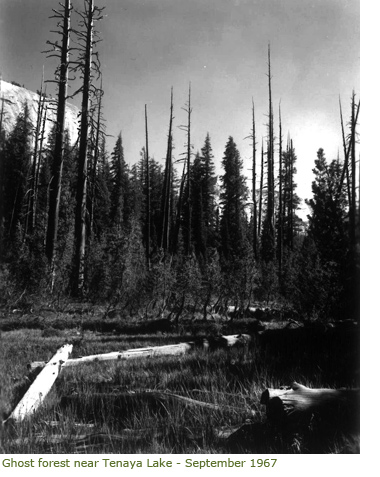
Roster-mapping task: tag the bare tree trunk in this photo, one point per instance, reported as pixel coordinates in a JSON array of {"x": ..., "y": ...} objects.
[
  {"x": 270, "y": 162},
  {"x": 353, "y": 175},
  {"x": 261, "y": 189},
  {"x": 33, "y": 194},
  {"x": 299, "y": 403},
  {"x": 147, "y": 175},
  {"x": 81, "y": 197},
  {"x": 179, "y": 213},
  {"x": 189, "y": 207},
  {"x": 291, "y": 211},
  {"x": 95, "y": 159},
  {"x": 254, "y": 181},
  {"x": 165, "y": 200},
  {"x": 280, "y": 205},
  {"x": 55, "y": 185},
  {"x": 345, "y": 164},
  {"x": 1, "y": 177}
]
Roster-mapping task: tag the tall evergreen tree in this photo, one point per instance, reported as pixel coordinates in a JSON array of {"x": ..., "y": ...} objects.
[
  {"x": 289, "y": 199},
  {"x": 17, "y": 163},
  {"x": 198, "y": 214},
  {"x": 208, "y": 192},
  {"x": 102, "y": 198},
  {"x": 328, "y": 206},
  {"x": 233, "y": 201},
  {"x": 119, "y": 177}
]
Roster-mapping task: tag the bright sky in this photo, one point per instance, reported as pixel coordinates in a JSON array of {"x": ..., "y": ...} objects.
[{"x": 220, "y": 46}]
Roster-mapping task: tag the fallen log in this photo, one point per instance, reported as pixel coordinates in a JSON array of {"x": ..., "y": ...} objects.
[
  {"x": 40, "y": 387},
  {"x": 167, "y": 350},
  {"x": 298, "y": 404}
]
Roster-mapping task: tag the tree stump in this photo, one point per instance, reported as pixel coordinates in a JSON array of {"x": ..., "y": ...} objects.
[{"x": 338, "y": 408}]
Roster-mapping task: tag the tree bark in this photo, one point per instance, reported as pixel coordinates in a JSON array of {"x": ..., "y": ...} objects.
[
  {"x": 39, "y": 389},
  {"x": 166, "y": 193},
  {"x": 148, "y": 192},
  {"x": 299, "y": 403},
  {"x": 81, "y": 196},
  {"x": 55, "y": 185}
]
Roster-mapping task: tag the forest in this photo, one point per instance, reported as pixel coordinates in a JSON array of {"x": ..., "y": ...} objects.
[
  {"x": 98, "y": 253},
  {"x": 77, "y": 222}
]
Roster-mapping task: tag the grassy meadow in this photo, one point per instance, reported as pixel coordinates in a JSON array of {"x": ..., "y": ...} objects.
[{"x": 97, "y": 408}]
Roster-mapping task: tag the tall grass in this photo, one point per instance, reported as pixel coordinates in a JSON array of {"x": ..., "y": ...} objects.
[{"x": 89, "y": 399}]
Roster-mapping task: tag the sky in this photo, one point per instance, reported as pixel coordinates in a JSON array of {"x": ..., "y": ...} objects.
[{"x": 220, "y": 47}]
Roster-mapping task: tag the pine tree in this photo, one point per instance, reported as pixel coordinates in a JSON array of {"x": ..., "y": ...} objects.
[
  {"x": 329, "y": 235},
  {"x": 233, "y": 201},
  {"x": 208, "y": 193},
  {"x": 289, "y": 199},
  {"x": 119, "y": 178},
  {"x": 198, "y": 215},
  {"x": 17, "y": 163},
  {"x": 103, "y": 188},
  {"x": 328, "y": 210}
]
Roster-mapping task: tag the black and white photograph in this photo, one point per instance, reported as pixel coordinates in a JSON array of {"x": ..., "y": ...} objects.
[{"x": 179, "y": 232}]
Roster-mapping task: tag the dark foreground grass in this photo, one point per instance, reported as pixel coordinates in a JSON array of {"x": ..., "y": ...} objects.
[{"x": 97, "y": 399}]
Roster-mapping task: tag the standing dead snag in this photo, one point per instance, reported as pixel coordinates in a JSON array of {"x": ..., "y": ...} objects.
[
  {"x": 55, "y": 187},
  {"x": 166, "y": 191},
  {"x": 87, "y": 64},
  {"x": 298, "y": 404},
  {"x": 39, "y": 389}
]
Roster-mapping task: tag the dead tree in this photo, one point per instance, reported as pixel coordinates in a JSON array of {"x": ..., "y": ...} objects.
[
  {"x": 166, "y": 191},
  {"x": 177, "y": 226},
  {"x": 98, "y": 127},
  {"x": 269, "y": 239},
  {"x": 62, "y": 52},
  {"x": 1, "y": 175},
  {"x": 187, "y": 128},
  {"x": 353, "y": 165},
  {"x": 254, "y": 200},
  {"x": 37, "y": 157},
  {"x": 261, "y": 191},
  {"x": 148, "y": 194},
  {"x": 32, "y": 192},
  {"x": 281, "y": 201},
  {"x": 87, "y": 62},
  {"x": 298, "y": 405}
]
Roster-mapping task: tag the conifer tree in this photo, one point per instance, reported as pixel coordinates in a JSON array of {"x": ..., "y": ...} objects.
[
  {"x": 198, "y": 215},
  {"x": 208, "y": 192},
  {"x": 233, "y": 200},
  {"x": 103, "y": 188},
  {"x": 17, "y": 161},
  {"x": 328, "y": 210},
  {"x": 119, "y": 178},
  {"x": 289, "y": 199}
]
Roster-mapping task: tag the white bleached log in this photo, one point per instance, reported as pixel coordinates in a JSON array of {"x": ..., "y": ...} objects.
[
  {"x": 167, "y": 350},
  {"x": 40, "y": 387},
  {"x": 300, "y": 402}
]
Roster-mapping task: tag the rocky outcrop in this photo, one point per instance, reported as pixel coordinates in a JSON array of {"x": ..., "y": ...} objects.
[{"x": 14, "y": 97}]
